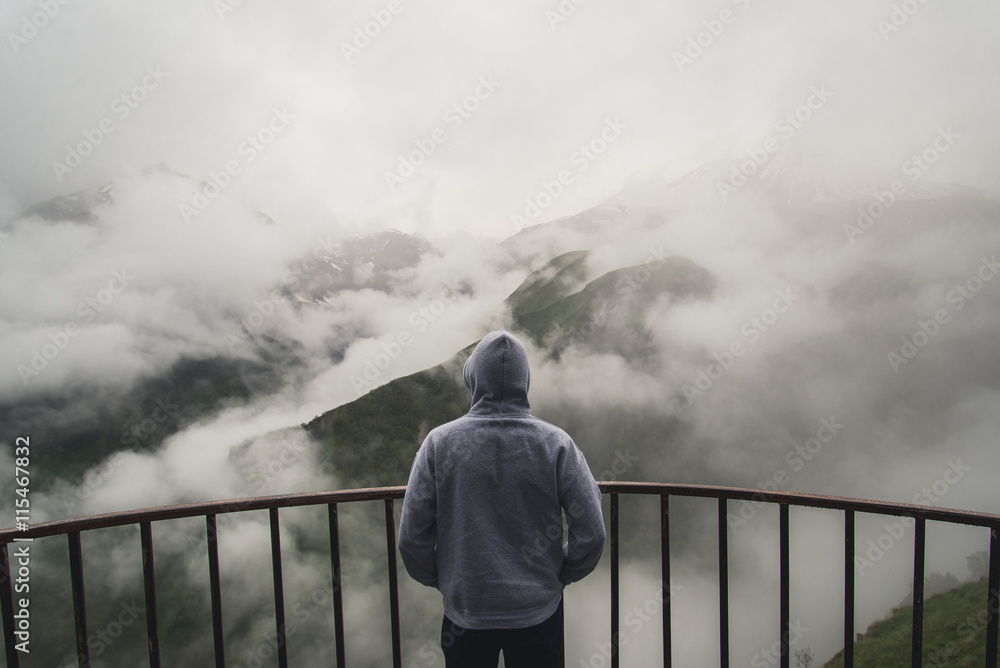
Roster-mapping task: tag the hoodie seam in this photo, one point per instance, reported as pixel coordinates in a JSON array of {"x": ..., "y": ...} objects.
[{"x": 503, "y": 372}]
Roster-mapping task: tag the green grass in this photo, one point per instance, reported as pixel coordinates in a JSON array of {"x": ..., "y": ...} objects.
[{"x": 954, "y": 633}]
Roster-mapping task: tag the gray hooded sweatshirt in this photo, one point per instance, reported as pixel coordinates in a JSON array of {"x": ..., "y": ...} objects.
[{"x": 482, "y": 516}]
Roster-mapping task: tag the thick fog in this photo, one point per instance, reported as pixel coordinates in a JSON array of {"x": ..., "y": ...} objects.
[{"x": 833, "y": 169}]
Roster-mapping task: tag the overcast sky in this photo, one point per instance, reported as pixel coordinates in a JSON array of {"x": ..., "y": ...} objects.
[{"x": 350, "y": 105}]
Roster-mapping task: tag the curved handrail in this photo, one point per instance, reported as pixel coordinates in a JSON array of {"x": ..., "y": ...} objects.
[
  {"x": 124, "y": 517},
  {"x": 970, "y": 517},
  {"x": 121, "y": 518}
]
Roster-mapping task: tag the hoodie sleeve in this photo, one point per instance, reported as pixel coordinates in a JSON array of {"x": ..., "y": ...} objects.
[
  {"x": 581, "y": 500},
  {"x": 418, "y": 522}
]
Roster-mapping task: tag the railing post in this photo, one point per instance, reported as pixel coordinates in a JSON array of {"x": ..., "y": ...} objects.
[
  {"x": 211, "y": 530},
  {"x": 783, "y": 588},
  {"x": 7, "y": 609},
  {"x": 993, "y": 598},
  {"x": 79, "y": 599},
  {"x": 390, "y": 545},
  {"x": 848, "y": 589},
  {"x": 279, "y": 589},
  {"x": 919, "y": 541},
  {"x": 149, "y": 585},
  {"x": 615, "y": 659},
  {"x": 665, "y": 589},
  {"x": 338, "y": 600},
  {"x": 562, "y": 625},
  {"x": 723, "y": 583}
]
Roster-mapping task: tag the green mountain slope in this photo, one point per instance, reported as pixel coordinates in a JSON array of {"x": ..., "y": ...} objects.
[
  {"x": 954, "y": 633},
  {"x": 615, "y": 302},
  {"x": 84, "y": 423},
  {"x": 371, "y": 441},
  {"x": 560, "y": 277},
  {"x": 78, "y": 433}
]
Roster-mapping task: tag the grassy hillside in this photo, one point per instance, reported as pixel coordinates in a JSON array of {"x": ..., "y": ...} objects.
[
  {"x": 371, "y": 441},
  {"x": 954, "y": 633},
  {"x": 614, "y": 302},
  {"x": 79, "y": 432},
  {"x": 562, "y": 276}
]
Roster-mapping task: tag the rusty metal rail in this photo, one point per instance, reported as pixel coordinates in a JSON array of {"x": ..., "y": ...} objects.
[{"x": 71, "y": 528}]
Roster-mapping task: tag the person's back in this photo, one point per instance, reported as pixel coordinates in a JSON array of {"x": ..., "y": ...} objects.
[{"x": 482, "y": 515}]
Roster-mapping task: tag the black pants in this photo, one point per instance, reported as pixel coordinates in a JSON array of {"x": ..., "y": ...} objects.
[{"x": 538, "y": 646}]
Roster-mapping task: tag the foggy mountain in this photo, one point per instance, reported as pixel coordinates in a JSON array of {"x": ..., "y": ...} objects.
[
  {"x": 669, "y": 370},
  {"x": 846, "y": 270},
  {"x": 677, "y": 335},
  {"x": 247, "y": 359}
]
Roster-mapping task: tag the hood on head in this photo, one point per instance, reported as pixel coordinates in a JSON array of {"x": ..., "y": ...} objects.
[{"x": 497, "y": 375}]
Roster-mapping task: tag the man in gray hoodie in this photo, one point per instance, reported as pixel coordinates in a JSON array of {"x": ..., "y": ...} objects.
[{"x": 482, "y": 518}]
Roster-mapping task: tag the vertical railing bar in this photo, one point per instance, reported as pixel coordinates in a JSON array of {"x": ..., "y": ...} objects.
[
  {"x": 79, "y": 599},
  {"x": 615, "y": 659},
  {"x": 562, "y": 625},
  {"x": 216, "y": 586},
  {"x": 919, "y": 542},
  {"x": 7, "y": 608},
  {"x": 149, "y": 585},
  {"x": 848, "y": 589},
  {"x": 993, "y": 598},
  {"x": 665, "y": 589},
  {"x": 390, "y": 545},
  {"x": 279, "y": 589},
  {"x": 338, "y": 599},
  {"x": 723, "y": 583},
  {"x": 784, "y": 605}
]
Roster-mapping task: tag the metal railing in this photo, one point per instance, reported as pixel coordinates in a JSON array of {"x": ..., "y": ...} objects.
[{"x": 144, "y": 518}]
